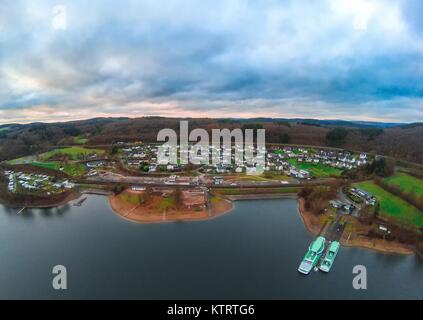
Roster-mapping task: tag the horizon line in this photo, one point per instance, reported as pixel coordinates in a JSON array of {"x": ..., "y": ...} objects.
[{"x": 212, "y": 118}]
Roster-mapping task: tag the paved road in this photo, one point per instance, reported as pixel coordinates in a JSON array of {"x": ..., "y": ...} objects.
[
  {"x": 335, "y": 230},
  {"x": 201, "y": 180}
]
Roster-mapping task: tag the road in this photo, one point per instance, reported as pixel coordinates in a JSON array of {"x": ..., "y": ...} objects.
[
  {"x": 201, "y": 180},
  {"x": 335, "y": 230}
]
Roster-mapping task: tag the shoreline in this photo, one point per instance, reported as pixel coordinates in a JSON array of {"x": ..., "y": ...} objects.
[
  {"x": 73, "y": 195},
  {"x": 140, "y": 214},
  {"x": 240, "y": 197},
  {"x": 313, "y": 225}
]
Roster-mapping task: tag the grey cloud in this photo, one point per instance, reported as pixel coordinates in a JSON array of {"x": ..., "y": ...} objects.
[{"x": 234, "y": 56}]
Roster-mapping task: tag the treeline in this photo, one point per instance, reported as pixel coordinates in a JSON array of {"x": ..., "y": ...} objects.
[
  {"x": 371, "y": 133},
  {"x": 336, "y": 136},
  {"x": 410, "y": 197},
  {"x": 21, "y": 140},
  {"x": 381, "y": 166}
]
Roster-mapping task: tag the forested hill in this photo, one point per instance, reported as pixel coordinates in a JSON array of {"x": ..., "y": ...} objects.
[{"x": 400, "y": 141}]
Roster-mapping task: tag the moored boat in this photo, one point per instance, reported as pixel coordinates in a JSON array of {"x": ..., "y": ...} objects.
[
  {"x": 330, "y": 256},
  {"x": 313, "y": 255}
]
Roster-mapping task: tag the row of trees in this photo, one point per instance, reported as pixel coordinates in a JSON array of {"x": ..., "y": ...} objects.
[
  {"x": 369, "y": 213},
  {"x": 410, "y": 197},
  {"x": 382, "y": 166}
]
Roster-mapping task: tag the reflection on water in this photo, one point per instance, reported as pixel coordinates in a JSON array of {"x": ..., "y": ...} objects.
[
  {"x": 55, "y": 212},
  {"x": 252, "y": 252}
]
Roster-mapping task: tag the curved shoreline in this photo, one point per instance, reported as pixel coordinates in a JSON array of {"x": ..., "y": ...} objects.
[
  {"x": 70, "y": 197},
  {"x": 225, "y": 206},
  {"x": 142, "y": 215},
  {"x": 379, "y": 245}
]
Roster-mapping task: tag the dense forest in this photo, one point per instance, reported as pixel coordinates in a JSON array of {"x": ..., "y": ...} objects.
[{"x": 403, "y": 142}]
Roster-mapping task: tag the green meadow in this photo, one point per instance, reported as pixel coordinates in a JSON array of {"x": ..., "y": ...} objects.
[
  {"x": 130, "y": 198},
  {"x": 74, "y": 153},
  {"x": 80, "y": 140},
  {"x": 167, "y": 203},
  {"x": 407, "y": 183},
  {"x": 318, "y": 170},
  {"x": 72, "y": 169},
  {"x": 392, "y": 206}
]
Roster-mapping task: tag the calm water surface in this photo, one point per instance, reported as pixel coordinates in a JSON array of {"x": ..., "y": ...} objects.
[{"x": 250, "y": 253}]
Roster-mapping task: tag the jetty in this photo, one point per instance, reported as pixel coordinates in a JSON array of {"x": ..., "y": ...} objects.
[
  {"x": 80, "y": 202},
  {"x": 20, "y": 211}
]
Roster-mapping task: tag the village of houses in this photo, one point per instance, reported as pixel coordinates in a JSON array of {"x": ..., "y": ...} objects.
[
  {"x": 295, "y": 164},
  {"x": 277, "y": 159},
  {"x": 32, "y": 182}
]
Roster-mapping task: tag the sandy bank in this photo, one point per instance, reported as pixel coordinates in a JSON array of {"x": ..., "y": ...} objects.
[{"x": 151, "y": 214}]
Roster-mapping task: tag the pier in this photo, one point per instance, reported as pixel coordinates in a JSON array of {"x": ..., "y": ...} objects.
[
  {"x": 20, "y": 211},
  {"x": 80, "y": 202}
]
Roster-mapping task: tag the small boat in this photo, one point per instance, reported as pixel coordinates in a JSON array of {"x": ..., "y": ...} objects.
[
  {"x": 80, "y": 202},
  {"x": 313, "y": 255},
  {"x": 330, "y": 256}
]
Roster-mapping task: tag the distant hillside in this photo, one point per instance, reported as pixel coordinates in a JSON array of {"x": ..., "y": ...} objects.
[
  {"x": 328, "y": 123},
  {"x": 401, "y": 141}
]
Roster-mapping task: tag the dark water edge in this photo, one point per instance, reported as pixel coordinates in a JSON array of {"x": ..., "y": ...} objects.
[{"x": 251, "y": 253}]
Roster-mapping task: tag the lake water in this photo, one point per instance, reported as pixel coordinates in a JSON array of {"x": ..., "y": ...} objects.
[{"x": 251, "y": 253}]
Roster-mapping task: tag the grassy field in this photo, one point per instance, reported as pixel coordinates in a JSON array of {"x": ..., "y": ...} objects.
[
  {"x": 131, "y": 198},
  {"x": 407, "y": 183},
  {"x": 215, "y": 199},
  {"x": 74, "y": 153},
  {"x": 392, "y": 206},
  {"x": 317, "y": 170},
  {"x": 166, "y": 203},
  {"x": 54, "y": 165},
  {"x": 80, "y": 140},
  {"x": 72, "y": 169},
  {"x": 23, "y": 160}
]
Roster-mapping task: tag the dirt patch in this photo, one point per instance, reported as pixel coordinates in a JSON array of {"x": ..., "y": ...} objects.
[{"x": 160, "y": 209}]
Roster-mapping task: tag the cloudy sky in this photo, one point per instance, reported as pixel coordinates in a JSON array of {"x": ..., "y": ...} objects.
[{"x": 332, "y": 59}]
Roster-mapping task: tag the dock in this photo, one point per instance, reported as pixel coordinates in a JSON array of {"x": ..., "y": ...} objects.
[
  {"x": 20, "y": 211},
  {"x": 80, "y": 202}
]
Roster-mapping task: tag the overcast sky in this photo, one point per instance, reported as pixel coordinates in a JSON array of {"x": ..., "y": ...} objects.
[{"x": 340, "y": 59}]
